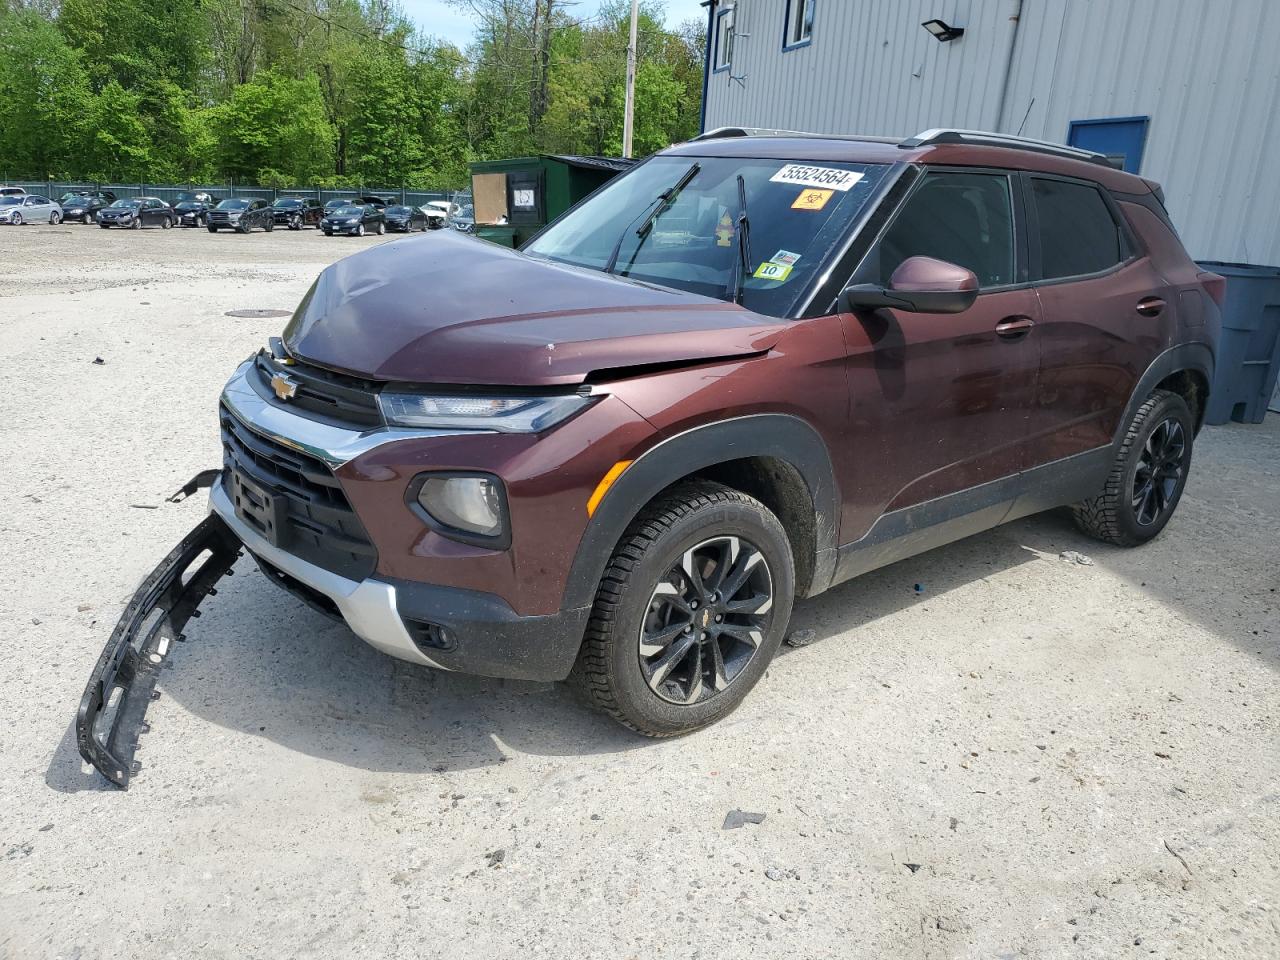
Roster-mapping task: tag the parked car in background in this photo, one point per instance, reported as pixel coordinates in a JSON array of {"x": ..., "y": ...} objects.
[
  {"x": 136, "y": 213},
  {"x": 404, "y": 219},
  {"x": 354, "y": 219},
  {"x": 84, "y": 206},
  {"x": 297, "y": 212},
  {"x": 6, "y": 191},
  {"x": 437, "y": 212},
  {"x": 192, "y": 209},
  {"x": 29, "y": 208},
  {"x": 242, "y": 214},
  {"x": 464, "y": 220}
]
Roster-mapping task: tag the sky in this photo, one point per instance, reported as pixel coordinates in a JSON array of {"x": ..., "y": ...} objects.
[{"x": 445, "y": 21}]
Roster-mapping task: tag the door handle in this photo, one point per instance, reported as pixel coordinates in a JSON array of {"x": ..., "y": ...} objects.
[
  {"x": 1150, "y": 306},
  {"x": 1014, "y": 328}
]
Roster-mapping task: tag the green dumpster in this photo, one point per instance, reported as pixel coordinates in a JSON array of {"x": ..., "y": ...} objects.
[{"x": 516, "y": 198}]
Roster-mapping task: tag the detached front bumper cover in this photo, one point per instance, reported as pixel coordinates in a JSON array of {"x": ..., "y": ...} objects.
[{"x": 114, "y": 705}]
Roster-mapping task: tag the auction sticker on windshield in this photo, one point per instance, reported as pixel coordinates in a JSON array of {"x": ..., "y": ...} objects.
[{"x": 800, "y": 175}]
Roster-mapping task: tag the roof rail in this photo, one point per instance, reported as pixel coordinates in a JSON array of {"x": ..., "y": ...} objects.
[
  {"x": 722, "y": 133},
  {"x": 988, "y": 139}
]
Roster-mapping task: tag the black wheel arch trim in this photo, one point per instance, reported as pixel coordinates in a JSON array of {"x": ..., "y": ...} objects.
[
  {"x": 780, "y": 436},
  {"x": 1194, "y": 357}
]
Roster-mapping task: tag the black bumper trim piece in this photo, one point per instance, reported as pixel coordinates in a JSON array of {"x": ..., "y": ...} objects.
[{"x": 140, "y": 646}]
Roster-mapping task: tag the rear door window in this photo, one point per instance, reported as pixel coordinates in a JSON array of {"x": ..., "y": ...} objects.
[
  {"x": 1075, "y": 228},
  {"x": 962, "y": 218}
]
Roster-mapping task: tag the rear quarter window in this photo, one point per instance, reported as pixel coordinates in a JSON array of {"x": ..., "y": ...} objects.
[{"x": 1077, "y": 233}]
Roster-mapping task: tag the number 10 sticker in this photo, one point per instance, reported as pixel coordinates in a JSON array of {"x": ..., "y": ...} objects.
[{"x": 773, "y": 271}]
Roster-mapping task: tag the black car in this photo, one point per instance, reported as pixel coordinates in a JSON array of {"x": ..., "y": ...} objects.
[
  {"x": 136, "y": 213},
  {"x": 354, "y": 219},
  {"x": 84, "y": 206},
  {"x": 405, "y": 219},
  {"x": 238, "y": 213},
  {"x": 297, "y": 212},
  {"x": 193, "y": 208}
]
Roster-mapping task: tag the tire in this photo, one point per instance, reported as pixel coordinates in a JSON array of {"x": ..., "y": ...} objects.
[
  {"x": 245, "y": 228},
  {"x": 212, "y": 229},
  {"x": 136, "y": 224},
  {"x": 676, "y": 686},
  {"x": 295, "y": 223},
  {"x": 85, "y": 219},
  {"x": 17, "y": 219},
  {"x": 166, "y": 223},
  {"x": 358, "y": 231},
  {"x": 105, "y": 226},
  {"x": 328, "y": 233},
  {"x": 269, "y": 226},
  {"x": 202, "y": 221},
  {"x": 55, "y": 218},
  {"x": 1147, "y": 478},
  {"x": 380, "y": 229}
]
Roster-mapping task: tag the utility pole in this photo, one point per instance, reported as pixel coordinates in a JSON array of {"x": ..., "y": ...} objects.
[{"x": 628, "y": 117}]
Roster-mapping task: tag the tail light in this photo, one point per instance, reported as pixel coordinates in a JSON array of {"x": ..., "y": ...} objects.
[{"x": 1214, "y": 285}]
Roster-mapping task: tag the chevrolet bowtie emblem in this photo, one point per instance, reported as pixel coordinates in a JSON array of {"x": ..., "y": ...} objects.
[{"x": 286, "y": 388}]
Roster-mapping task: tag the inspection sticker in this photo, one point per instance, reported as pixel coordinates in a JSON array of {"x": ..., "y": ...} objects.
[
  {"x": 785, "y": 256},
  {"x": 773, "y": 271},
  {"x": 813, "y": 199},
  {"x": 828, "y": 178}
]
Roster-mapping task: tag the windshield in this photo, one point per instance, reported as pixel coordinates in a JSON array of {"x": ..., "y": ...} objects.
[
  {"x": 350, "y": 210},
  {"x": 233, "y": 204},
  {"x": 9, "y": 201},
  {"x": 796, "y": 215},
  {"x": 400, "y": 210},
  {"x": 335, "y": 204},
  {"x": 125, "y": 202},
  {"x": 76, "y": 197},
  {"x": 283, "y": 204},
  {"x": 186, "y": 197}
]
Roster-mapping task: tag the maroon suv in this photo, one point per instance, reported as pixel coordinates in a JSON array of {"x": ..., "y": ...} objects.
[{"x": 751, "y": 368}]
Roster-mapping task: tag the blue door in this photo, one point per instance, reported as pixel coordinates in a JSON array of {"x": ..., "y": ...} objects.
[{"x": 1120, "y": 138}]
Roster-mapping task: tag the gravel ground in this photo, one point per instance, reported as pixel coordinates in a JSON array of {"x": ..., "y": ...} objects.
[{"x": 1029, "y": 757}]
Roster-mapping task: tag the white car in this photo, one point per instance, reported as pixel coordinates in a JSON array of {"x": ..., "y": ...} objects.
[
  {"x": 437, "y": 212},
  {"x": 29, "y": 208},
  {"x": 12, "y": 191}
]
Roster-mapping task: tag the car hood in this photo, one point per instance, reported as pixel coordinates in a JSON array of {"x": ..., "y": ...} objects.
[{"x": 448, "y": 308}]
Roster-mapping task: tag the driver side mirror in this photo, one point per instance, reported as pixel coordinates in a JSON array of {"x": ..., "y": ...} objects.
[{"x": 919, "y": 285}]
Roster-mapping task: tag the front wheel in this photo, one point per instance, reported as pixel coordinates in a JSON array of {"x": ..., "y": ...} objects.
[
  {"x": 17, "y": 219},
  {"x": 212, "y": 229},
  {"x": 690, "y": 612},
  {"x": 55, "y": 218},
  {"x": 105, "y": 226},
  {"x": 1147, "y": 477},
  {"x": 269, "y": 226},
  {"x": 379, "y": 228},
  {"x": 359, "y": 230},
  {"x": 137, "y": 224},
  {"x": 166, "y": 223}
]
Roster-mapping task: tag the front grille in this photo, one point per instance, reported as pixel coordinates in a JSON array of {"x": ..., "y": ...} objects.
[
  {"x": 333, "y": 396},
  {"x": 318, "y": 524},
  {"x": 219, "y": 216}
]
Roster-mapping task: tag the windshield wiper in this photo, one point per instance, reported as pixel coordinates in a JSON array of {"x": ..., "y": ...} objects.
[
  {"x": 649, "y": 216},
  {"x": 744, "y": 242}
]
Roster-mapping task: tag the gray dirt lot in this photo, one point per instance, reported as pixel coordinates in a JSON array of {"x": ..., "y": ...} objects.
[{"x": 1030, "y": 758}]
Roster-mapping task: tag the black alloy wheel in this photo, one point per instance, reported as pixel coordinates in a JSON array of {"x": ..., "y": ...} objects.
[
  {"x": 707, "y": 618},
  {"x": 1159, "y": 472}
]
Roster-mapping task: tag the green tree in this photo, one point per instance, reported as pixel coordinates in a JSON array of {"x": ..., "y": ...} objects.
[
  {"x": 44, "y": 98},
  {"x": 274, "y": 124}
]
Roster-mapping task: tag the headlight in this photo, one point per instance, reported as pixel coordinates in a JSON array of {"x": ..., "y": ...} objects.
[
  {"x": 470, "y": 504},
  {"x": 501, "y": 414}
]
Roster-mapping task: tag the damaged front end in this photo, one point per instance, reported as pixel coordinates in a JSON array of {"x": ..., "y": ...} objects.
[{"x": 114, "y": 705}]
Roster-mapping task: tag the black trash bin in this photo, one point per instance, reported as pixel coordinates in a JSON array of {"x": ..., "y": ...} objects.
[{"x": 1249, "y": 351}]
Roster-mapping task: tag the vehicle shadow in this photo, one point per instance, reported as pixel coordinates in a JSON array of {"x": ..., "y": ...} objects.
[{"x": 260, "y": 663}]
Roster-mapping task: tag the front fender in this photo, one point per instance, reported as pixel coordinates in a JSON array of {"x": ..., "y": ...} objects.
[{"x": 780, "y": 436}]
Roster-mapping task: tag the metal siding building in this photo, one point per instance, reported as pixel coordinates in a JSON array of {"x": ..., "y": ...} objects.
[{"x": 1204, "y": 74}]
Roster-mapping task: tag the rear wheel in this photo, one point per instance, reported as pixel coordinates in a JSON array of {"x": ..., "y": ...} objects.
[
  {"x": 690, "y": 611},
  {"x": 1147, "y": 477},
  {"x": 269, "y": 226}
]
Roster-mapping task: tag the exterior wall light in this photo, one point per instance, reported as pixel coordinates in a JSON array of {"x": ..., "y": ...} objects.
[{"x": 942, "y": 31}]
